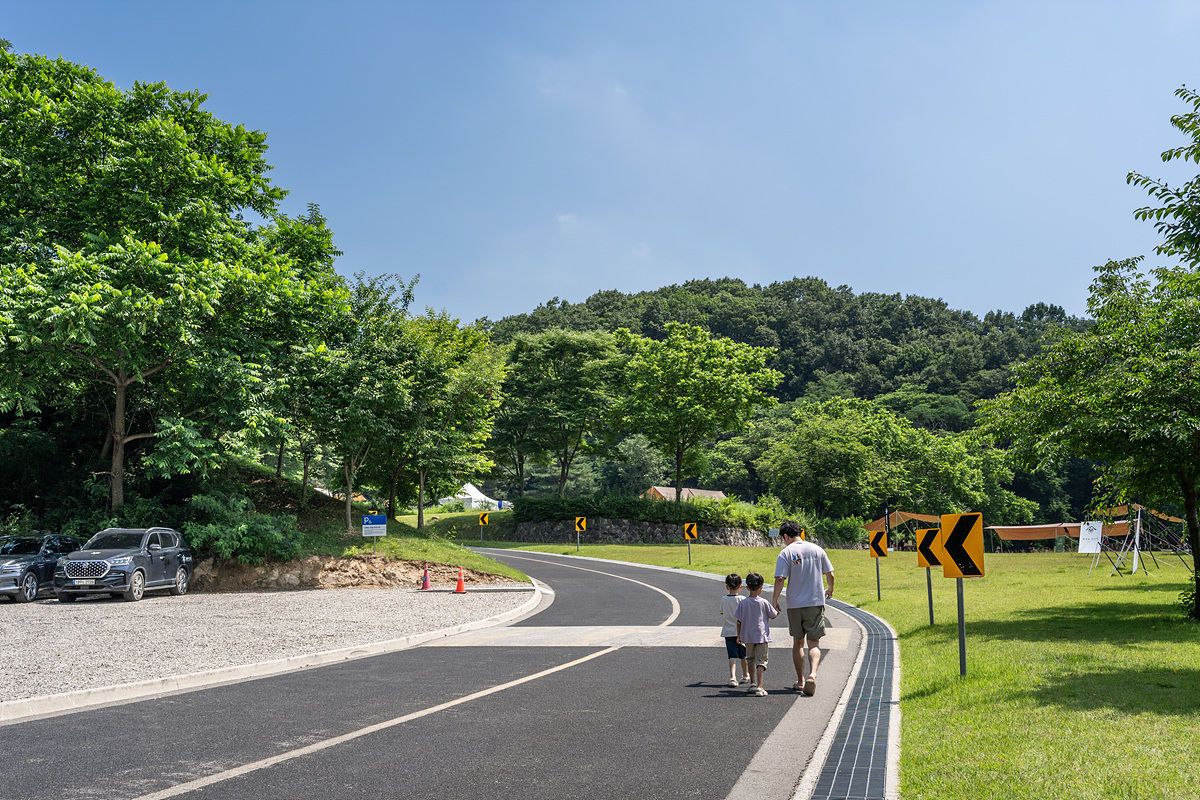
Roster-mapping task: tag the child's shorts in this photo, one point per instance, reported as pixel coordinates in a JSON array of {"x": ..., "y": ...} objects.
[
  {"x": 757, "y": 653},
  {"x": 733, "y": 649}
]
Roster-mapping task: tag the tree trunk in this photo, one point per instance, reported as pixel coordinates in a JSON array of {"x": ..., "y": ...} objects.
[
  {"x": 421, "y": 498},
  {"x": 392, "y": 486},
  {"x": 679, "y": 475},
  {"x": 564, "y": 469},
  {"x": 307, "y": 458},
  {"x": 349, "y": 472},
  {"x": 521, "y": 475},
  {"x": 117, "y": 473},
  {"x": 1193, "y": 528}
]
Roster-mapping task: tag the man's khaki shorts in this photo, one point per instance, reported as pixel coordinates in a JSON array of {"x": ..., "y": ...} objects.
[{"x": 807, "y": 622}]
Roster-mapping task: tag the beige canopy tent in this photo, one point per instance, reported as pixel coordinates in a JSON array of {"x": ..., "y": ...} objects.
[
  {"x": 898, "y": 518},
  {"x": 903, "y": 525},
  {"x": 1112, "y": 526}
]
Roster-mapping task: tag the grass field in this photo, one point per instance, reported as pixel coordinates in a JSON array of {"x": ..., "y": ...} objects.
[{"x": 1076, "y": 687}]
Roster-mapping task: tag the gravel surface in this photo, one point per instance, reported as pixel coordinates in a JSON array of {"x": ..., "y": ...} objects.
[{"x": 52, "y": 647}]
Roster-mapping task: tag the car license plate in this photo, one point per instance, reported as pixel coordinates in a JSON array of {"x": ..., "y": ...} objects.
[{"x": 85, "y": 581}]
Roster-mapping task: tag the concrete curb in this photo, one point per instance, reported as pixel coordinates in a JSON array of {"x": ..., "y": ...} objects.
[{"x": 66, "y": 702}]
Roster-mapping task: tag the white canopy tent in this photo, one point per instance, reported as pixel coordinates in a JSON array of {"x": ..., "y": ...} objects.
[{"x": 471, "y": 497}]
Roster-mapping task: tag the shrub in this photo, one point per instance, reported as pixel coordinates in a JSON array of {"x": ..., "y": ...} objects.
[
  {"x": 234, "y": 530},
  {"x": 1187, "y": 598},
  {"x": 841, "y": 532}
]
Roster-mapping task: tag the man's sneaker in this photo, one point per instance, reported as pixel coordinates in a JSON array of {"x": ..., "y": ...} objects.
[{"x": 810, "y": 686}]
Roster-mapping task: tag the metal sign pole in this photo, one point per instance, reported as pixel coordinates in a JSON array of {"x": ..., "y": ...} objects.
[
  {"x": 689, "y": 541},
  {"x": 929, "y": 586},
  {"x": 962, "y": 632}
]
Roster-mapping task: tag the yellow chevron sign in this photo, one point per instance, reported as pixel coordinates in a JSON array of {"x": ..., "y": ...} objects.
[{"x": 689, "y": 530}]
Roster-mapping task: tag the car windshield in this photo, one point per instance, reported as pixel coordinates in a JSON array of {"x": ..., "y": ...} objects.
[
  {"x": 118, "y": 540},
  {"x": 20, "y": 546}
]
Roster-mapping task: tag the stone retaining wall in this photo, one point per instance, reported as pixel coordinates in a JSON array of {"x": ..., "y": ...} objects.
[{"x": 624, "y": 531}]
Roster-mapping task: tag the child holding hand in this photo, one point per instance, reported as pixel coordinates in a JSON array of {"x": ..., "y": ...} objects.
[
  {"x": 735, "y": 650},
  {"x": 754, "y": 615}
]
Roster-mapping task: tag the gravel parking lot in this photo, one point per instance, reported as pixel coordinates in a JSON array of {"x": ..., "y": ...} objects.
[{"x": 51, "y": 647}]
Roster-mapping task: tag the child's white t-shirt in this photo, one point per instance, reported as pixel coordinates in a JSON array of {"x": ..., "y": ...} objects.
[{"x": 729, "y": 605}]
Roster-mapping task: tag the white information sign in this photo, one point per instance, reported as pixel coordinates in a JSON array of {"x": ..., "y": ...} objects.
[
  {"x": 374, "y": 525},
  {"x": 1089, "y": 537},
  {"x": 773, "y": 533}
]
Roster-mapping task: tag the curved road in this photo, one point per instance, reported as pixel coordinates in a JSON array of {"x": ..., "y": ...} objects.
[{"x": 613, "y": 688}]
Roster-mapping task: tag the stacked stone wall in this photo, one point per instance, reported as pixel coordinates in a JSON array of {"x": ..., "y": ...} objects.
[{"x": 625, "y": 531}]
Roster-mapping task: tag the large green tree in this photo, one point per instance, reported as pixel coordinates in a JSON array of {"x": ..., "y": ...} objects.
[
  {"x": 127, "y": 265},
  {"x": 845, "y": 457},
  {"x": 556, "y": 394},
  {"x": 688, "y": 388},
  {"x": 1126, "y": 393}
]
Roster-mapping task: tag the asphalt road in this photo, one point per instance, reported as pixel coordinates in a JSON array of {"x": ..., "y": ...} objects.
[{"x": 614, "y": 689}]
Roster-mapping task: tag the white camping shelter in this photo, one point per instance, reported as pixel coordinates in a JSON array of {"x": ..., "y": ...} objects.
[{"x": 471, "y": 497}]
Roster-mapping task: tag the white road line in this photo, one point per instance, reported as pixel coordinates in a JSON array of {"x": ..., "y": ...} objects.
[
  {"x": 674, "y": 602},
  {"x": 219, "y": 777},
  {"x": 208, "y": 780}
]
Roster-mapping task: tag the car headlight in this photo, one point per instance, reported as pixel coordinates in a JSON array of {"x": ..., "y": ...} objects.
[
  {"x": 61, "y": 563},
  {"x": 10, "y": 566},
  {"x": 120, "y": 561}
]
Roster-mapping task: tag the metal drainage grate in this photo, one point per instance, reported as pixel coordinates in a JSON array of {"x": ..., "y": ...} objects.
[{"x": 856, "y": 766}]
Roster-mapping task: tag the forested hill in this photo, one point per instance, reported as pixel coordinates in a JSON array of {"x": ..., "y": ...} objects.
[{"x": 828, "y": 341}]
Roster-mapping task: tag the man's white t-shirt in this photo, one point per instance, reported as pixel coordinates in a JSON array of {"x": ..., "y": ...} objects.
[{"x": 803, "y": 564}]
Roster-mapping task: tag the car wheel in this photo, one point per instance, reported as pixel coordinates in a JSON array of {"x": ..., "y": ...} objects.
[
  {"x": 66, "y": 597},
  {"x": 181, "y": 581},
  {"x": 28, "y": 590},
  {"x": 137, "y": 587}
]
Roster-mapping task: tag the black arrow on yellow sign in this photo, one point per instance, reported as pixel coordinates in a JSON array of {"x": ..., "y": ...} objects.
[
  {"x": 965, "y": 535},
  {"x": 689, "y": 530},
  {"x": 879, "y": 544},
  {"x": 580, "y": 524},
  {"x": 483, "y": 519},
  {"x": 927, "y": 548}
]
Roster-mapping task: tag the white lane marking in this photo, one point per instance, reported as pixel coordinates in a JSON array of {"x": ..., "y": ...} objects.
[
  {"x": 218, "y": 777},
  {"x": 235, "y": 772},
  {"x": 674, "y": 602}
]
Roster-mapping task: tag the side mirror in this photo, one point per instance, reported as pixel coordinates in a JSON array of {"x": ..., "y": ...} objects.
[{"x": 154, "y": 547}]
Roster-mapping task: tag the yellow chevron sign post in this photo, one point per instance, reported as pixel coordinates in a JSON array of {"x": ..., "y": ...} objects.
[
  {"x": 580, "y": 527},
  {"x": 962, "y": 544},
  {"x": 929, "y": 554},
  {"x": 878, "y": 549},
  {"x": 689, "y": 533},
  {"x": 483, "y": 520}
]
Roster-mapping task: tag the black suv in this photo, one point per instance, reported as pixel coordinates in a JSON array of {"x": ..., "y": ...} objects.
[
  {"x": 27, "y": 563},
  {"x": 125, "y": 562}
]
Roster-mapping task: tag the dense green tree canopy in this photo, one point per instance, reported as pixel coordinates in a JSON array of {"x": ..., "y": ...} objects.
[
  {"x": 127, "y": 266},
  {"x": 1126, "y": 393},
  {"x": 688, "y": 388}
]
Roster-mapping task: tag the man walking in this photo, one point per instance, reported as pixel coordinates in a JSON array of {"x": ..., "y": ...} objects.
[{"x": 799, "y": 567}]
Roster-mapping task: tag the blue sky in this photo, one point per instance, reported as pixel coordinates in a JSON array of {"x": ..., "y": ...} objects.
[{"x": 511, "y": 152}]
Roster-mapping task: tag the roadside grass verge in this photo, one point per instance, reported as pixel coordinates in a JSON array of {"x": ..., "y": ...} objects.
[{"x": 1076, "y": 687}]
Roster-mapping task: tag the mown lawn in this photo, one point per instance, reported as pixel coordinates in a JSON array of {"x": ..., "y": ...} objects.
[{"x": 1076, "y": 687}]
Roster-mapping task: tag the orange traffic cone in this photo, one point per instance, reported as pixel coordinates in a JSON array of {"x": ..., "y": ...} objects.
[
  {"x": 425, "y": 579},
  {"x": 461, "y": 588}
]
